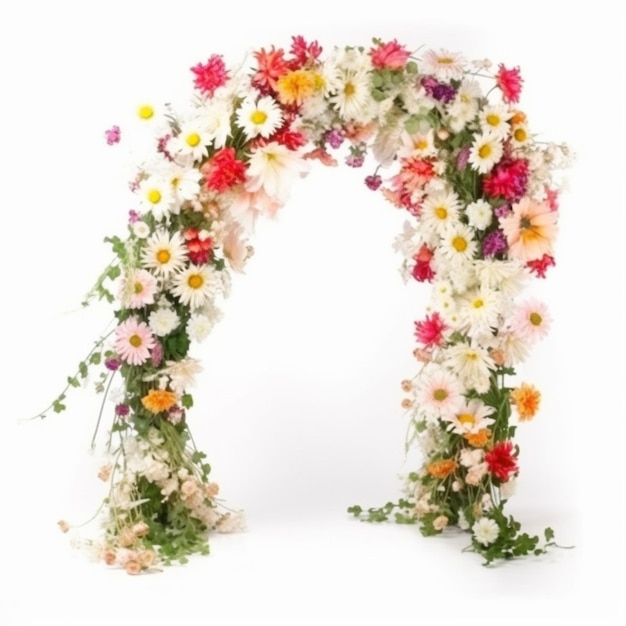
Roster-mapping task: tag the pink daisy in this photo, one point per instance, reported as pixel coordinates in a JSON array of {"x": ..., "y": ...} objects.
[
  {"x": 137, "y": 289},
  {"x": 530, "y": 320},
  {"x": 439, "y": 394},
  {"x": 133, "y": 341}
]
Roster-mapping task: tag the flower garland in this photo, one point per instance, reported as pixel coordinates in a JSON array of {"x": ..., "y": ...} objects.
[{"x": 481, "y": 200}]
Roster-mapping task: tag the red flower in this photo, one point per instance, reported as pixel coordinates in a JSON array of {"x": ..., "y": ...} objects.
[
  {"x": 303, "y": 52},
  {"x": 430, "y": 331},
  {"x": 501, "y": 461},
  {"x": 540, "y": 266},
  {"x": 390, "y": 56},
  {"x": 223, "y": 170},
  {"x": 271, "y": 66},
  {"x": 211, "y": 75},
  {"x": 422, "y": 271},
  {"x": 508, "y": 180},
  {"x": 199, "y": 246},
  {"x": 510, "y": 83}
]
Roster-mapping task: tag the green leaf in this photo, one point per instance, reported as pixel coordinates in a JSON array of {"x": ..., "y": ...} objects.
[
  {"x": 83, "y": 369},
  {"x": 73, "y": 381},
  {"x": 549, "y": 534},
  {"x": 411, "y": 67},
  {"x": 187, "y": 400},
  {"x": 96, "y": 358}
]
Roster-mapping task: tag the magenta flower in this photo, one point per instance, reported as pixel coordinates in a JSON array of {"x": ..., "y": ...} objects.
[
  {"x": 113, "y": 135},
  {"x": 210, "y": 75},
  {"x": 390, "y": 56},
  {"x": 510, "y": 83}
]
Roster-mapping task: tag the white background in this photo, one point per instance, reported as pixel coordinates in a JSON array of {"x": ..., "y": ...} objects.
[{"x": 298, "y": 406}]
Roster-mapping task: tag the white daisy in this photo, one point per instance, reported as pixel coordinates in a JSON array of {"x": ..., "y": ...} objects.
[
  {"x": 472, "y": 417},
  {"x": 182, "y": 374},
  {"x": 443, "y": 65},
  {"x": 458, "y": 243},
  {"x": 163, "y": 321},
  {"x": 493, "y": 119},
  {"x": 485, "y": 152},
  {"x": 480, "y": 311},
  {"x": 155, "y": 195},
  {"x": 137, "y": 289},
  {"x": 195, "y": 285},
  {"x": 164, "y": 253},
  {"x": 259, "y": 117},
  {"x": 273, "y": 167},
  {"x": 352, "y": 96},
  {"x": 473, "y": 364},
  {"x": 485, "y": 531},
  {"x": 464, "y": 107},
  {"x": 439, "y": 211},
  {"x": 193, "y": 138},
  {"x": 479, "y": 214},
  {"x": 419, "y": 144},
  {"x": 519, "y": 135},
  {"x": 185, "y": 182}
]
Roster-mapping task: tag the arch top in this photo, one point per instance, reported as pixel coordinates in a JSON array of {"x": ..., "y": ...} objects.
[{"x": 442, "y": 138}]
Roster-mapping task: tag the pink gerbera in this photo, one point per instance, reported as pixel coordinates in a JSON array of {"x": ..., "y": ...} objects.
[
  {"x": 430, "y": 331},
  {"x": 137, "y": 289},
  {"x": 530, "y": 320},
  {"x": 530, "y": 229},
  {"x": 210, "y": 75},
  {"x": 133, "y": 341},
  {"x": 390, "y": 56},
  {"x": 439, "y": 394},
  {"x": 510, "y": 83}
]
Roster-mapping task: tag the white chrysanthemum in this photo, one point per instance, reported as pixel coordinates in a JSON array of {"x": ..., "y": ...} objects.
[
  {"x": 479, "y": 214},
  {"x": 155, "y": 195},
  {"x": 485, "y": 531},
  {"x": 420, "y": 144},
  {"x": 216, "y": 115},
  {"x": 513, "y": 348},
  {"x": 408, "y": 242},
  {"x": 458, "y": 243},
  {"x": 438, "y": 393},
  {"x": 480, "y": 310},
  {"x": 272, "y": 168},
  {"x": 193, "y": 139},
  {"x": 474, "y": 416},
  {"x": 473, "y": 365},
  {"x": 164, "y": 253},
  {"x": 485, "y": 152},
  {"x": 464, "y": 107},
  {"x": 494, "y": 119},
  {"x": 352, "y": 96},
  {"x": 509, "y": 277},
  {"x": 185, "y": 182},
  {"x": 199, "y": 327},
  {"x": 182, "y": 374},
  {"x": 195, "y": 285},
  {"x": 140, "y": 229},
  {"x": 163, "y": 321},
  {"x": 440, "y": 210},
  {"x": 259, "y": 117},
  {"x": 443, "y": 65}
]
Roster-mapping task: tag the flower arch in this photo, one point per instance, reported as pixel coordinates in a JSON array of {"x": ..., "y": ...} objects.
[{"x": 454, "y": 151}]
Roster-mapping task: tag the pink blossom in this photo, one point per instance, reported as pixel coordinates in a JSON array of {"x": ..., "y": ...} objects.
[
  {"x": 113, "y": 135},
  {"x": 210, "y": 75},
  {"x": 430, "y": 331},
  {"x": 390, "y": 56},
  {"x": 133, "y": 341},
  {"x": 510, "y": 83}
]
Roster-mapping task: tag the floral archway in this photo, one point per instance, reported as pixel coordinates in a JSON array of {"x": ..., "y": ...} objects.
[{"x": 450, "y": 146}]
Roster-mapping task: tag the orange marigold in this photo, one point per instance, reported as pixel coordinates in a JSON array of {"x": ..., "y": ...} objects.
[
  {"x": 159, "y": 400},
  {"x": 442, "y": 468},
  {"x": 479, "y": 439},
  {"x": 526, "y": 400}
]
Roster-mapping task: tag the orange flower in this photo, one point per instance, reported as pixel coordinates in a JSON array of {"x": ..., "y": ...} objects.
[
  {"x": 159, "y": 400},
  {"x": 479, "y": 439},
  {"x": 442, "y": 468},
  {"x": 526, "y": 399},
  {"x": 295, "y": 87}
]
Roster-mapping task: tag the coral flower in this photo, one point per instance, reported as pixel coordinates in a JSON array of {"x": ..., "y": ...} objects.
[
  {"x": 442, "y": 468},
  {"x": 526, "y": 400},
  {"x": 530, "y": 229},
  {"x": 159, "y": 400},
  {"x": 390, "y": 56},
  {"x": 271, "y": 66}
]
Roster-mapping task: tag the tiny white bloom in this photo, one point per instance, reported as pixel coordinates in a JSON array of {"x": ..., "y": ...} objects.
[{"x": 485, "y": 531}]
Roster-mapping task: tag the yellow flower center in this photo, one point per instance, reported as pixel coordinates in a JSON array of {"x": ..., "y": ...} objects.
[
  {"x": 466, "y": 418},
  {"x": 471, "y": 356},
  {"x": 440, "y": 395},
  {"x": 135, "y": 341},
  {"x": 520, "y": 135},
  {"x": 163, "y": 256},
  {"x": 478, "y": 303},
  {"x": 445, "y": 60},
  {"x": 195, "y": 281},
  {"x": 459, "y": 243},
  {"x": 349, "y": 89},
  {"x": 154, "y": 196},
  {"x": 138, "y": 287},
  {"x": 441, "y": 213},
  {"x": 421, "y": 144},
  {"x": 193, "y": 139},
  {"x": 258, "y": 117},
  {"x": 484, "y": 151},
  {"x": 493, "y": 119},
  {"x": 535, "y": 319},
  {"x": 145, "y": 112}
]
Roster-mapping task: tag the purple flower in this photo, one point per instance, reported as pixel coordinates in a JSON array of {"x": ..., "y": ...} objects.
[
  {"x": 334, "y": 138},
  {"x": 502, "y": 211},
  {"x": 122, "y": 410},
  {"x": 113, "y": 135},
  {"x": 462, "y": 158},
  {"x": 439, "y": 91},
  {"x": 112, "y": 364},
  {"x": 157, "y": 354},
  {"x": 494, "y": 243},
  {"x": 373, "y": 182},
  {"x": 133, "y": 217},
  {"x": 355, "y": 160},
  {"x": 162, "y": 147}
]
